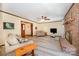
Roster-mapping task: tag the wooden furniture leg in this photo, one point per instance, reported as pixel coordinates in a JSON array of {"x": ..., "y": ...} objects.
[{"x": 33, "y": 54}]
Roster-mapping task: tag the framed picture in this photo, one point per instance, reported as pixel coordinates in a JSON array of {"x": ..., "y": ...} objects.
[{"x": 8, "y": 25}]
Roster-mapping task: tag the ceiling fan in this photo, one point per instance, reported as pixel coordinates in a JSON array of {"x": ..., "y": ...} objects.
[{"x": 43, "y": 18}]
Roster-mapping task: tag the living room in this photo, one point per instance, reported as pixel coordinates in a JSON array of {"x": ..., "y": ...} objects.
[{"x": 43, "y": 31}]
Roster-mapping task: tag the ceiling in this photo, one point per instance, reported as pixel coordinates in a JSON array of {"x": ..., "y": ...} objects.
[{"x": 33, "y": 11}]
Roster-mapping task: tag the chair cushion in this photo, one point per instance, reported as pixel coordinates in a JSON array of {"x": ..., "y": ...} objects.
[
  {"x": 40, "y": 33},
  {"x": 12, "y": 40},
  {"x": 20, "y": 39}
]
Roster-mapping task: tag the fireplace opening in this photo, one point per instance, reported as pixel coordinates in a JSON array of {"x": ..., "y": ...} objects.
[{"x": 53, "y": 30}]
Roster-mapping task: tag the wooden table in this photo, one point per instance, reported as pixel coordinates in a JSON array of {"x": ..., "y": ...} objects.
[
  {"x": 2, "y": 49},
  {"x": 2, "y": 45},
  {"x": 25, "y": 50}
]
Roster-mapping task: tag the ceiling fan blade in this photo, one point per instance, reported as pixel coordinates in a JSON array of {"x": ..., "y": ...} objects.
[
  {"x": 38, "y": 18},
  {"x": 43, "y": 18},
  {"x": 47, "y": 19}
]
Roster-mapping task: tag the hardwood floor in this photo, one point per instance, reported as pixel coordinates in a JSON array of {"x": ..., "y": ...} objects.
[{"x": 29, "y": 36}]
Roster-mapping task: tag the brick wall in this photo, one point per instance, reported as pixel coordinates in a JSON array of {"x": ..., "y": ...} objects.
[{"x": 71, "y": 24}]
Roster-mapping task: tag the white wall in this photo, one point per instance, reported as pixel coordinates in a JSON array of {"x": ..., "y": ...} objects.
[
  {"x": 46, "y": 27},
  {"x": 17, "y": 25},
  {"x": 1, "y": 33}
]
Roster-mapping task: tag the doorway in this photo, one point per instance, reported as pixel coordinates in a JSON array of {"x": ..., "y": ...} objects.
[{"x": 26, "y": 29}]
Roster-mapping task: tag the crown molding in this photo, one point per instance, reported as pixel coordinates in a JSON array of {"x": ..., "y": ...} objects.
[{"x": 17, "y": 16}]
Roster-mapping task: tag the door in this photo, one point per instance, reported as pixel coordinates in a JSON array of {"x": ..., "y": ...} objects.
[
  {"x": 22, "y": 30},
  {"x": 31, "y": 29}
]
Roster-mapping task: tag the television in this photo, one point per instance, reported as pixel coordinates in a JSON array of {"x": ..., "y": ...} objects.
[
  {"x": 8, "y": 25},
  {"x": 53, "y": 30}
]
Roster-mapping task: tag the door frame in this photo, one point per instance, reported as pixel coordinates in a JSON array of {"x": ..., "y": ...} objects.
[
  {"x": 31, "y": 26},
  {"x": 22, "y": 30}
]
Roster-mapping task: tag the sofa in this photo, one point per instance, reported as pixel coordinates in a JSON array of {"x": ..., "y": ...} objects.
[
  {"x": 40, "y": 33},
  {"x": 13, "y": 42}
]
